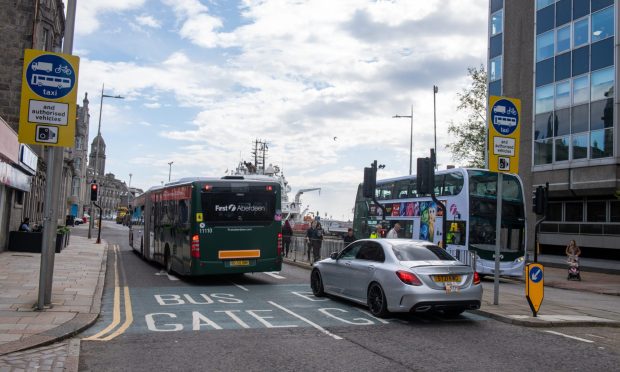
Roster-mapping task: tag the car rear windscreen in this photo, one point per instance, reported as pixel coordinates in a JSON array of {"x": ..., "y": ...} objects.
[
  {"x": 410, "y": 252},
  {"x": 239, "y": 207}
]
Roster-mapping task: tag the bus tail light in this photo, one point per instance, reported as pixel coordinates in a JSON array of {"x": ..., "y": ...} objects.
[
  {"x": 195, "y": 246},
  {"x": 476, "y": 278},
  {"x": 408, "y": 278},
  {"x": 269, "y": 188},
  {"x": 279, "y": 244}
]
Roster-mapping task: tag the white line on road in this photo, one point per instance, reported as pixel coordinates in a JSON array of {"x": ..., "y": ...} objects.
[
  {"x": 318, "y": 327},
  {"x": 374, "y": 317},
  {"x": 569, "y": 336},
  {"x": 590, "y": 334},
  {"x": 240, "y": 286},
  {"x": 274, "y": 275}
]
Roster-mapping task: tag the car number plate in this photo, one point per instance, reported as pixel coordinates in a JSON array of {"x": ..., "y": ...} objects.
[
  {"x": 446, "y": 278},
  {"x": 240, "y": 263},
  {"x": 452, "y": 288}
]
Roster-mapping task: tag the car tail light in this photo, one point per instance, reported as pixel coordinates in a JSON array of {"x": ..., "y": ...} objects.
[
  {"x": 279, "y": 244},
  {"x": 476, "y": 278},
  {"x": 408, "y": 278},
  {"x": 195, "y": 247}
]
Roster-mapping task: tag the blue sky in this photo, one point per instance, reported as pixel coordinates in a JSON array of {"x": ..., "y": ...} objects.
[{"x": 203, "y": 79}]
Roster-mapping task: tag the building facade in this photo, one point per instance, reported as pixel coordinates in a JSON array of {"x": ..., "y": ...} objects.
[
  {"x": 559, "y": 58},
  {"x": 112, "y": 192}
]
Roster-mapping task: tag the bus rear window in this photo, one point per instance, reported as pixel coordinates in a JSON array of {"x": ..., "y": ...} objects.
[{"x": 238, "y": 207}]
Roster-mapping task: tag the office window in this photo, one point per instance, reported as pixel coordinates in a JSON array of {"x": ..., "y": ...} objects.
[
  {"x": 544, "y": 72},
  {"x": 614, "y": 211},
  {"x": 561, "y": 149},
  {"x": 497, "y": 23},
  {"x": 573, "y": 212},
  {"x": 597, "y": 211},
  {"x": 602, "y": 84},
  {"x": 496, "y": 5},
  {"x": 495, "y": 70},
  {"x": 495, "y": 46},
  {"x": 545, "y": 19},
  {"x": 562, "y": 39},
  {"x": 562, "y": 94},
  {"x": 581, "y": 89},
  {"x": 562, "y": 12},
  {"x": 602, "y": 114},
  {"x": 581, "y": 60},
  {"x": 581, "y": 32},
  {"x": 562, "y": 122},
  {"x": 580, "y": 119},
  {"x": 554, "y": 211},
  {"x": 580, "y": 146},
  {"x": 602, "y": 24},
  {"x": 544, "y": 46},
  {"x": 544, "y": 99},
  {"x": 580, "y": 8},
  {"x": 601, "y": 143},
  {"x": 543, "y": 151},
  {"x": 495, "y": 88},
  {"x": 543, "y": 3},
  {"x": 543, "y": 126},
  {"x": 562, "y": 66},
  {"x": 600, "y": 4},
  {"x": 602, "y": 54}
]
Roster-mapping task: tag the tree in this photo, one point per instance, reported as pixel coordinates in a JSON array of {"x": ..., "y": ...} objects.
[{"x": 469, "y": 144}]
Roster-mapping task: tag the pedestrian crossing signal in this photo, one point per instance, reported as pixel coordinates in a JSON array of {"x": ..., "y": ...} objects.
[{"x": 93, "y": 192}]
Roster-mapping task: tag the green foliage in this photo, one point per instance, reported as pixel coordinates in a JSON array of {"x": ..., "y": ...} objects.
[
  {"x": 62, "y": 230},
  {"x": 469, "y": 136}
]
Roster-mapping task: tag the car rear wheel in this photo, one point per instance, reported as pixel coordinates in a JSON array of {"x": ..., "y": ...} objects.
[
  {"x": 377, "y": 302},
  {"x": 316, "y": 282}
]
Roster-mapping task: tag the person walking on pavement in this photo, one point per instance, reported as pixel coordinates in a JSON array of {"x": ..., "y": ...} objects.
[
  {"x": 25, "y": 225},
  {"x": 287, "y": 234},
  {"x": 572, "y": 249},
  {"x": 377, "y": 233},
  {"x": 393, "y": 233},
  {"x": 317, "y": 242},
  {"x": 309, "y": 237},
  {"x": 349, "y": 238}
]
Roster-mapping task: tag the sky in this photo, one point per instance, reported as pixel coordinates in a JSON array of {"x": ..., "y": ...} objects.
[{"x": 319, "y": 80}]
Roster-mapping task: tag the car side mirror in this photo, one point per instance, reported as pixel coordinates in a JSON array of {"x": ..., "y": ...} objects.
[{"x": 334, "y": 256}]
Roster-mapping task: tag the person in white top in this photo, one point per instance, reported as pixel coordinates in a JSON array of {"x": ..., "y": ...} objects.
[{"x": 393, "y": 233}]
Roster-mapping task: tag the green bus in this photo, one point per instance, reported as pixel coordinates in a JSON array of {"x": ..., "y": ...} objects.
[{"x": 206, "y": 226}]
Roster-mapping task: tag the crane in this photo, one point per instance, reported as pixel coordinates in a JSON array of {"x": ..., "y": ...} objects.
[{"x": 298, "y": 194}]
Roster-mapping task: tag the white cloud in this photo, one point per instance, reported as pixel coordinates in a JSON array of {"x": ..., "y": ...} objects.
[
  {"x": 149, "y": 21},
  {"x": 152, "y": 105},
  {"x": 88, "y": 12}
]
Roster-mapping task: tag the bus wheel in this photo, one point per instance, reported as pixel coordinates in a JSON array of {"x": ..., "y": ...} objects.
[
  {"x": 168, "y": 261},
  {"x": 316, "y": 282}
]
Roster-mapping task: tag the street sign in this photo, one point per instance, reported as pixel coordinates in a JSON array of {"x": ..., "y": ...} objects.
[
  {"x": 504, "y": 134},
  {"x": 534, "y": 285},
  {"x": 49, "y": 99}
]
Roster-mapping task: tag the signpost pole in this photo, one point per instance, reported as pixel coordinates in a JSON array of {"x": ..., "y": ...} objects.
[
  {"x": 498, "y": 236},
  {"x": 53, "y": 174}
]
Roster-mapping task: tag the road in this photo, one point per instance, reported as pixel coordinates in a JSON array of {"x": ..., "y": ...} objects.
[{"x": 270, "y": 321}]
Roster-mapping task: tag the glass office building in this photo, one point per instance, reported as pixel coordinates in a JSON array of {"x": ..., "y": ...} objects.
[{"x": 571, "y": 121}]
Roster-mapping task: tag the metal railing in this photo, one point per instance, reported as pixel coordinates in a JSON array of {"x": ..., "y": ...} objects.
[{"x": 301, "y": 251}]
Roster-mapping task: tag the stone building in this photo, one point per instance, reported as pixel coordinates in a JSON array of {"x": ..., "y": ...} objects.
[{"x": 112, "y": 192}]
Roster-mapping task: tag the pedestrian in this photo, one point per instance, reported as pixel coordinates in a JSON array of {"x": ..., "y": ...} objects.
[
  {"x": 287, "y": 234},
  {"x": 317, "y": 242},
  {"x": 25, "y": 225},
  {"x": 309, "y": 237},
  {"x": 572, "y": 250},
  {"x": 349, "y": 238},
  {"x": 393, "y": 233},
  {"x": 377, "y": 233}
]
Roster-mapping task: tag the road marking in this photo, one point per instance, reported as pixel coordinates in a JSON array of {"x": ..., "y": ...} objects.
[
  {"x": 274, "y": 275},
  {"x": 318, "y": 327},
  {"x": 234, "y": 317},
  {"x": 162, "y": 273},
  {"x": 128, "y": 318},
  {"x": 240, "y": 286},
  {"x": 569, "y": 336},
  {"x": 374, "y": 317},
  {"x": 590, "y": 334}
]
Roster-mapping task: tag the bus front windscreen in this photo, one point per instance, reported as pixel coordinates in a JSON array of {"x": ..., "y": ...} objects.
[{"x": 231, "y": 208}]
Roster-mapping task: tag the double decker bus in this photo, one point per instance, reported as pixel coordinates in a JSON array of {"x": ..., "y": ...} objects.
[
  {"x": 470, "y": 198},
  {"x": 204, "y": 226}
]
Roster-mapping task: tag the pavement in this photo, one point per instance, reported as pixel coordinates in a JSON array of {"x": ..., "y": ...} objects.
[{"x": 79, "y": 276}]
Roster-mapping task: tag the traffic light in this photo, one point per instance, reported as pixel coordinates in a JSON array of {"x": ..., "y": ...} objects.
[
  {"x": 539, "y": 202},
  {"x": 93, "y": 192},
  {"x": 370, "y": 181},
  {"x": 425, "y": 176}
]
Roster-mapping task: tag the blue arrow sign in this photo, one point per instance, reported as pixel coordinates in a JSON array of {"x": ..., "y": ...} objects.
[
  {"x": 536, "y": 274},
  {"x": 50, "y": 76}
]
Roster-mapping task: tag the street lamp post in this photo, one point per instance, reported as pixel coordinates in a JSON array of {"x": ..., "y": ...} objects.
[
  {"x": 170, "y": 170},
  {"x": 96, "y": 170},
  {"x": 129, "y": 191},
  {"x": 410, "y": 138},
  {"x": 435, "y": 91}
]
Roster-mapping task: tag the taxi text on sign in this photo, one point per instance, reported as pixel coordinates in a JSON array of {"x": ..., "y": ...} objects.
[
  {"x": 534, "y": 285},
  {"x": 49, "y": 97},
  {"x": 504, "y": 133}
]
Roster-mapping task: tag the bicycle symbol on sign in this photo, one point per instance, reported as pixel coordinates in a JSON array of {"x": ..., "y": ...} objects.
[{"x": 64, "y": 69}]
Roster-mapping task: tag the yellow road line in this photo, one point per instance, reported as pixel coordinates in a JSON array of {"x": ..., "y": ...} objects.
[
  {"x": 116, "y": 318},
  {"x": 128, "y": 318}
]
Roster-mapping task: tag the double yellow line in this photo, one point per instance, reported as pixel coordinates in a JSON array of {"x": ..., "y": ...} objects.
[{"x": 113, "y": 330}]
